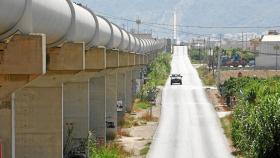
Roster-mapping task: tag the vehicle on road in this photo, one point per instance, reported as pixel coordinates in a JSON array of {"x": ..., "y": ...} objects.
[{"x": 176, "y": 78}]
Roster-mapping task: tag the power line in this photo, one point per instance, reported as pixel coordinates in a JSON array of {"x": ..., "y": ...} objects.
[{"x": 197, "y": 26}]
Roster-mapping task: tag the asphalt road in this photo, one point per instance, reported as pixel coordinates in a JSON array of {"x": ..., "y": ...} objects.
[{"x": 189, "y": 126}]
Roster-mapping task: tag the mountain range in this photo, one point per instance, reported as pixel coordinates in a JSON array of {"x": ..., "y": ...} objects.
[{"x": 191, "y": 13}]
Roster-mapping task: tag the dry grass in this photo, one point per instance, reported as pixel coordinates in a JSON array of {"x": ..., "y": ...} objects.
[
  {"x": 147, "y": 117},
  {"x": 122, "y": 132},
  {"x": 128, "y": 121}
]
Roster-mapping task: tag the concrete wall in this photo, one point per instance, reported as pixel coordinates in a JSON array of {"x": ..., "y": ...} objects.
[{"x": 267, "y": 56}]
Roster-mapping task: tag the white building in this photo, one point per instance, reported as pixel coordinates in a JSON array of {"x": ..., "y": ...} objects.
[{"x": 268, "y": 52}]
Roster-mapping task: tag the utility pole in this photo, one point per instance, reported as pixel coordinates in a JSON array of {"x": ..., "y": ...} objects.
[
  {"x": 246, "y": 41},
  {"x": 276, "y": 48},
  {"x": 175, "y": 27},
  {"x": 204, "y": 52},
  {"x": 127, "y": 29},
  {"x": 242, "y": 41},
  {"x": 209, "y": 54},
  {"x": 219, "y": 63}
]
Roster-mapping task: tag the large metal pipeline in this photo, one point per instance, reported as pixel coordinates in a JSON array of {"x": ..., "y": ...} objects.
[{"x": 64, "y": 21}]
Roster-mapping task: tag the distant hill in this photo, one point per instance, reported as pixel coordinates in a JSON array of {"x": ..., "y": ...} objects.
[{"x": 194, "y": 12}]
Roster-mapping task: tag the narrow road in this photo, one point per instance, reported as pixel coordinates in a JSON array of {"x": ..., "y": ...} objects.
[{"x": 189, "y": 127}]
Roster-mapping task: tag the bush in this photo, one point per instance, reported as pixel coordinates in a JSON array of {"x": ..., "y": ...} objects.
[
  {"x": 256, "y": 117},
  {"x": 158, "y": 72},
  {"x": 111, "y": 150},
  {"x": 206, "y": 76}
]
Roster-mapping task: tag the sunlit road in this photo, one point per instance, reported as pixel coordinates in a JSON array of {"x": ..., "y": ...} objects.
[{"x": 189, "y": 127}]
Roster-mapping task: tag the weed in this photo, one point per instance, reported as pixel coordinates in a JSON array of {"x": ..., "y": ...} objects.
[{"x": 145, "y": 150}]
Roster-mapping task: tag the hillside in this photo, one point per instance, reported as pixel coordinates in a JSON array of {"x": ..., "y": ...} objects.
[{"x": 195, "y": 12}]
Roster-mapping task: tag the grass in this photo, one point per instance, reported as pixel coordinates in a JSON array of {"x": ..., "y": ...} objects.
[
  {"x": 206, "y": 76},
  {"x": 226, "y": 125},
  {"x": 143, "y": 105},
  {"x": 148, "y": 118},
  {"x": 195, "y": 61},
  {"x": 128, "y": 122},
  {"x": 112, "y": 150},
  {"x": 122, "y": 132},
  {"x": 145, "y": 150}
]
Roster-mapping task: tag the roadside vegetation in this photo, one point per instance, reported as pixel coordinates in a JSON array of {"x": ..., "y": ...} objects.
[
  {"x": 111, "y": 150},
  {"x": 206, "y": 76},
  {"x": 158, "y": 72},
  {"x": 145, "y": 150},
  {"x": 256, "y": 116},
  {"x": 197, "y": 56}
]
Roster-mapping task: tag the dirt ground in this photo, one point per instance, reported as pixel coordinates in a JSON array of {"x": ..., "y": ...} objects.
[
  {"x": 217, "y": 101},
  {"x": 141, "y": 135}
]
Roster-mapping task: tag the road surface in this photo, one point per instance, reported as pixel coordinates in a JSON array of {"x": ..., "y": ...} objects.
[{"x": 189, "y": 127}]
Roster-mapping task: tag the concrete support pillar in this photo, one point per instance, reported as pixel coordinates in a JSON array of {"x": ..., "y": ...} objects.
[
  {"x": 112, "y": 59},
  {"x": 40, "y": 106},
  {"x": 97, "y": 96},
  {"x": 38, "y": 122},
  {"x": 22, "y": 59},
  {"x": 111, "y": 105},
  {"x": 121, "y": 94},
  {"x": 129, "y": 99},
  {"x": 6, "y": 130},
  {"x": 75, "y": 113},
  {"x": 96, "y": 59},
  {"x": 136, "y": 81}
]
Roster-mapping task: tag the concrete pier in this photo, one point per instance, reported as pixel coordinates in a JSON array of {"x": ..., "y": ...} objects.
[
  {"x": 40, "y": 106},
  {"x": 22, "y": 59},
  {"x": 121, "y": 94},
  {"x": 50, "y": 98},
  {"x": 111, "y": 105},
  {"x": 97, "y": 93}
]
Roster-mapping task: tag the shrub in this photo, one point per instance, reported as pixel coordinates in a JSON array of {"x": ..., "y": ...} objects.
[
  {"x": 206, "y": 75},
  {"x": 256, "y": 118},
  {"x": 158, "y": 72}
]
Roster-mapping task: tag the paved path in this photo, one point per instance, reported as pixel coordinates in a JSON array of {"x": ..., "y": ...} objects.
[{"x": 189, "y": 126}]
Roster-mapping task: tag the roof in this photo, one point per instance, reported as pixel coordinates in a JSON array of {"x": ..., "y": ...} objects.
[{"x": 271, "y": 38}]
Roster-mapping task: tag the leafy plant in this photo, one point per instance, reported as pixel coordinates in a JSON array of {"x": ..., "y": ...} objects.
[
  {"x": 256, "y": 117},
  {"x": 158, "y": 72}
]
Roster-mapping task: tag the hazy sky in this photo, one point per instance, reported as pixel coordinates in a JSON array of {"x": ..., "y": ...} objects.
[{"x": 191, "y": 13}]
